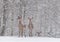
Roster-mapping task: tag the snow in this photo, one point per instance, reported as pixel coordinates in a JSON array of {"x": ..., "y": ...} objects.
[{"x": 29, "y": 39}]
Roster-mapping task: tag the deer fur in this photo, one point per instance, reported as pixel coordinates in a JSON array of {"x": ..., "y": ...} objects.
[
  {"x": 30, "y": 26},
  {"x": 21, "y": 26}
]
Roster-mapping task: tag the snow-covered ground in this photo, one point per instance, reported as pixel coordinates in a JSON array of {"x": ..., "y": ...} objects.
[{"x": 29, "y": 39}]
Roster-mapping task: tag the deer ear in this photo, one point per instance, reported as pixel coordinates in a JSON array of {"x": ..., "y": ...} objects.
[
  {"x": 28, "y": 18},
  {"x": 19, "y": 17}
]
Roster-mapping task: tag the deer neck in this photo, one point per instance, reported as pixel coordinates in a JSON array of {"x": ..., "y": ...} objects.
[
  {"x": 30, "y": 22},
  {"x": 20, "y": 22}
]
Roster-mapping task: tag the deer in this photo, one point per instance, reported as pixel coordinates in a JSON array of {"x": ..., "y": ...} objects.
[
  {"x": 30, "y": 26},
  {"x": 21, "y": 26},
  {"x": 39, "y": 33}
]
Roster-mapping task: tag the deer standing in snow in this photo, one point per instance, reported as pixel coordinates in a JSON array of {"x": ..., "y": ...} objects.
[
  {"x": 30, "y": 26},
  {"x": 21, "y": 26}
]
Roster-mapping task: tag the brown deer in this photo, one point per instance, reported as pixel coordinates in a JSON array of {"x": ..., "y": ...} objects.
[
  {"x": 30, "y": 26},
  {"x": 21, "y": 26},
  {"x": 39, "y": 33}
]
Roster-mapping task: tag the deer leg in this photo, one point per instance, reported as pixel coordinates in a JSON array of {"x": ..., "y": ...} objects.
[
  {"x": 30, "y": 33},
  {"x": 21, "y": 32}
]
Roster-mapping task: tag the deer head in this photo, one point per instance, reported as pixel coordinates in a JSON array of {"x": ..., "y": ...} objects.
[
  {"x": 30, "y": 19},
  {"x": 20, "y": 18}
]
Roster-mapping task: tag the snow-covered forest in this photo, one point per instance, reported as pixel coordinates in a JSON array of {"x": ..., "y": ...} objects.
[{"x": 30, "y": 18}]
